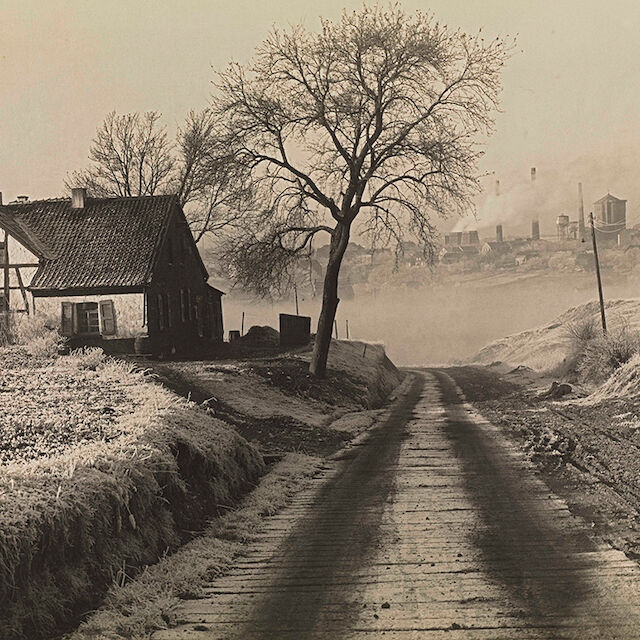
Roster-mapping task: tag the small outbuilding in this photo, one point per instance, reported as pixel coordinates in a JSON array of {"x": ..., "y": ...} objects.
[{"x": 120, "y": 273}]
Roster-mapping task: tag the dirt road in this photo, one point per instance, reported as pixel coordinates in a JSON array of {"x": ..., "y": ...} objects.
[{"x": 435, "y": 527}]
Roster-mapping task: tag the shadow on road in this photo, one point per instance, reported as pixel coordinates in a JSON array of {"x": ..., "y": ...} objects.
[
  {"x": 339, "y": 535},
  {"x": 524, "y": 547}
]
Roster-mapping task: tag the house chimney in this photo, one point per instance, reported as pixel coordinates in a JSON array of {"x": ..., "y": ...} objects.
[
  {"x": 535, "y": 230},
  {"x": 533, "y": 174},
  {"x": 78, "y": 198},
  {"x": 0, "y": 197},
  {"x": 499, "y": 237}
]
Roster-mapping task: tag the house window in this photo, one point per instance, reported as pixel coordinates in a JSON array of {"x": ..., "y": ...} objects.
[
  {"x": 189, "y": 306},
  {"x": 199, "y": 315},
  {"x": 169, "y": 304},
  {"x": 88, "y": 318}
]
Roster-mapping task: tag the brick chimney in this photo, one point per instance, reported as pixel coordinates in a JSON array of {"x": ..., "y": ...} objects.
[
  {"x": 499, "y": 237},
  {"x": 78, "y": 198}
]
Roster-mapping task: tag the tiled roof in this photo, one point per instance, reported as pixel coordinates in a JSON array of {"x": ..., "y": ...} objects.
[{"x": 111, "y": 242}]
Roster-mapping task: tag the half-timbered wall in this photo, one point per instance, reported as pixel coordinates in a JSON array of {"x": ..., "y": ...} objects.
[{"x": 20, "y": 276}]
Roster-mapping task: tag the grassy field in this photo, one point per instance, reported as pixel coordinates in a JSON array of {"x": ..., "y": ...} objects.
[
  {"x": 103, "y": 472},
  {"x": 545, "y": 348}
]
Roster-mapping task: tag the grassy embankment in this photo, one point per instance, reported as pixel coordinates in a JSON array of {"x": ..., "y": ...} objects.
[
  {"x": 102, "y": 473},
  {"x": 105, "y": 471}
]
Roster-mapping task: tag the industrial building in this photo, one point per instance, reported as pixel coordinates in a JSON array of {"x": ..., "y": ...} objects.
[{"x": 610, "y": 218}]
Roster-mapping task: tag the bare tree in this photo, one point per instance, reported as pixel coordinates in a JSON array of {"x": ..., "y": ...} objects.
[
  {"x": 131, "y": 155},
  {"x": 373, "y": 121}
]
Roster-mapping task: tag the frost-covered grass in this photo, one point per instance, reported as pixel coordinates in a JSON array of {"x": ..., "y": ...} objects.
[
  {"x": 106, "y": 472},
  {"x": 137, "y": 608},
  {"x": 551, "y": 348},
  {"x": 53, "y": 403}
]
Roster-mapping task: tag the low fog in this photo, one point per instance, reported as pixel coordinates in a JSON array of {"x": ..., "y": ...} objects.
[{"x": 442, "y": 324}]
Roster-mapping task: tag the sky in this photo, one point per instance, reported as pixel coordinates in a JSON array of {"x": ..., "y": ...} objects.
[{"x": 569, "y": 107}]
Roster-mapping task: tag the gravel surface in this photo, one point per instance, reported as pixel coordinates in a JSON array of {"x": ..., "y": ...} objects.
[{"x": 590, "y": 453}]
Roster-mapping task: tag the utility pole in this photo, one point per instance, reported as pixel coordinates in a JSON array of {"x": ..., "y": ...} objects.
[
  {"x": 242, "y": 325},
  {"x": 347, "y": 325},
  {"x": 295, "y": 291},
  {"x": 595, "y": 255}
]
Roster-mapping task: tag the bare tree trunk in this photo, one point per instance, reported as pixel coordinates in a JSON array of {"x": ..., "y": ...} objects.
[{"x": 339, "y": 242}]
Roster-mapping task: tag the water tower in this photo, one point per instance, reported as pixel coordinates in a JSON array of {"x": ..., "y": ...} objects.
[{"x": 562, "y": 224}]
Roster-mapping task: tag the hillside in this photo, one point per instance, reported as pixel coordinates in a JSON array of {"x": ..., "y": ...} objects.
[
  {"x": 544, "y": 348},
  {"x": 274, "y": 401}
]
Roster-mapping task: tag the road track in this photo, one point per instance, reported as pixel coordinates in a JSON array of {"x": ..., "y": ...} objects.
[{"x": 435, "y": 527}]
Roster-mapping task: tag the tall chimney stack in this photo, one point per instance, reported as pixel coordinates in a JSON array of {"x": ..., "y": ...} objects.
[
  {"x": 0, "y": 197},
  {"x": 580, "y": 213},
  {"x": 78, "y": 198},
  {"x": 535, "y": 230},
  {"x": 499, "y": 237},
  {"x": 533, "y": 174},
  {"x": 497, "y": 187}
]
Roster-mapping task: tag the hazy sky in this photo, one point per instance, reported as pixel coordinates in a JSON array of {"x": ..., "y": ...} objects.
[{"x": 571, "y": 98}]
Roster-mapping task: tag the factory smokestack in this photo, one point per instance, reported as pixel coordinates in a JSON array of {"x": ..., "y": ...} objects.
[
  {"x": 497, "y": 187},
  {"x": 535, "y": 230},
  {"x": 580, "y": 213},
  {"x": 499, "y": 237},
  {"x": 533, "y": 174}
]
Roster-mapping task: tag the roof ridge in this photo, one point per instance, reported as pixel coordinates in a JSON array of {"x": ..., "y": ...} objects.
[{"x": 67, "y": 199}]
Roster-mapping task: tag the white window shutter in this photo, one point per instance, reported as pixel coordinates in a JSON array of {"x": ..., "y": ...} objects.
[
  {"x": 66, "y": 324},
  {"x": 107, "y": 318}
]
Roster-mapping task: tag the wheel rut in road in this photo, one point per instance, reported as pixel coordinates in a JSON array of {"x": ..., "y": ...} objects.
[{"x": 435, "y": 527}]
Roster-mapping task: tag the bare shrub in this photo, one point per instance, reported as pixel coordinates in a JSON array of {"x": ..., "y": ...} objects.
[
  {"x": 583, "y": 331},
  {"x": 604, "y": 354},
  {"x": 44, "y": 346},
  {"x": 86, "y": 358},
  {"x": 6, "y": 336},
  {"x": 580, "y": 333}
]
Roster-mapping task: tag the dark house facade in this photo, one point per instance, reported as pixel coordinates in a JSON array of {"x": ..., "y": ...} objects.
[{"x": 121, "y": 273}]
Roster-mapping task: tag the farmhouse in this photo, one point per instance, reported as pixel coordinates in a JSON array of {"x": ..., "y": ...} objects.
[{"x": 116, "y": 272}]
